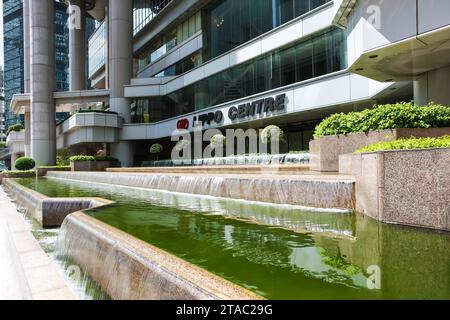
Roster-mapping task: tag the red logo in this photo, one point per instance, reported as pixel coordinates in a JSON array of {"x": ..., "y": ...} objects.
[{"x": 183, "y": 124}]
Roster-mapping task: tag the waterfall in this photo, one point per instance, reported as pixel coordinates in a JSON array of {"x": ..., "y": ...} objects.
[{"x": 291, "y": 158}]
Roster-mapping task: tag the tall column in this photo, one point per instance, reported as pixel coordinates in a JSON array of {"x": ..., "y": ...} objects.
[
  {"x": 42, "y": 82},
  {"x": 433, "y": 87},
  {"x": 77, "y": 46},
  {"x": 421, "y": 90},
  {"x": 26, "y": 69},
  {"x": 14, "y": 158},
  {"x": 26, "y": 45},
  {"x": 120, "y": 60}
]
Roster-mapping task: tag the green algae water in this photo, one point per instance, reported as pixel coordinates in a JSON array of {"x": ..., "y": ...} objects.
[{"x": 279, "y": 252}]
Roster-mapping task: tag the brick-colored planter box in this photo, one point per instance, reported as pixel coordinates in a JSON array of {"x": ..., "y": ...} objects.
[
  {"x": 408, "y": 187},
  {"x": 89, "y": 165},
  {"x": 325, "y": 151}
]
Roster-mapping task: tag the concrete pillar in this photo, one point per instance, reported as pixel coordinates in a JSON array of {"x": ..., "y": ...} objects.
[
  {"x": 14, "y": 157},
  {"x": 27, "y": 117},
  {"x": 42, "y": 82},
  {"x": 77, "y": 46},
  {"x": 26, "y": 44},
  {"x": 433, "y": 87},
  {"x": 26, "y": 69},
  {"x": 120, "y": 60},
  {"x": 421, "y": 90}
]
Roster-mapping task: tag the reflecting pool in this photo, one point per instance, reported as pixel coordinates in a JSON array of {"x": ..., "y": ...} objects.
[{"x": 279, "y": 252}]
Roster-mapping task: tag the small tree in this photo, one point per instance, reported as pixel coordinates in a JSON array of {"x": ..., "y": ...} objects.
[
  {"x": 156, "y": 149},
  {"x": 218, "y": 141},
  {"x": 24, "y": 164},
  {"x": 272, "y": 132}
]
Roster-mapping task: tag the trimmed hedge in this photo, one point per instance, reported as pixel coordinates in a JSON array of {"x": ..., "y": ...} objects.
[
  {"x": 92, "y": 158},
  {"x": 383, "y": 117},
  {"x": 24, "y": 164},
  {"x": 408, "y": 144},
  {"x": 81, "y": 158},
  {"x": 16, "y": 128}
]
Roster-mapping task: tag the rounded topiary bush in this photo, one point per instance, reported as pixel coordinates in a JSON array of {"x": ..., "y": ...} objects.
[
  {"x": 156, "y": 148},
  {"x": 24, "y": 164},
  {"x": 218, "y": 141},
  {"x": 270, "y": 133},
  {"x": 181, "y": 145}
]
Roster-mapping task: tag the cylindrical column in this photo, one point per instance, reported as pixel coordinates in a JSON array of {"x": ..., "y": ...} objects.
[
  {"x": 14, "y": 158},
  {"x": 26, "y": 69},
  {"x": 120, "y": 56},
  {"x": 27, "y": 117},
  {"x": 26, "y": 45},
  {"x": 42, "y": 82},
  {"x": 77, "y": 45},
  {"x": 421, "y": 90},
  {"x": 120, "y": 60}
]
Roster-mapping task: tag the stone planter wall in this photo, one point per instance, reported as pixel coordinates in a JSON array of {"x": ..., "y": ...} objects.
[
  {"x": 410, "y": 187},
  {"x": 325, "y": 151},
  {"x": 89, "y": 165},
  {"x": 43, "y": 171}
]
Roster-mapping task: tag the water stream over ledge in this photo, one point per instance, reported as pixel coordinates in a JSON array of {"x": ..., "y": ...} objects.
[{"x": 279, "y": 252}]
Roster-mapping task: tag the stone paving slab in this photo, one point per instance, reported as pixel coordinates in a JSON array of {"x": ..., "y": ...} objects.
[{"x": 26, "y": 271}]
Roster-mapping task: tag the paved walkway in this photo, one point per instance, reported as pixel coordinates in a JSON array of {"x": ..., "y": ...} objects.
[{"x": 26, "y": 272}]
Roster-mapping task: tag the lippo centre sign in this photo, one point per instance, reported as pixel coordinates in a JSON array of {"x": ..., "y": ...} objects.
[{"x": 259, "y": 109}]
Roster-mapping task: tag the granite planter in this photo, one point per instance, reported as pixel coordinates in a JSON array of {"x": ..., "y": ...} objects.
[
  {"x": 89, "y": 165},
  {"x": 325, "y": 151},
  {"x": 40, "y": 172},
  {"x": 408, "y": 187}
]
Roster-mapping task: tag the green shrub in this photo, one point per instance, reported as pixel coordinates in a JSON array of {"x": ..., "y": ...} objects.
[
  {"x": 24, "y": 164},
  {"x": 19, "y": 172},
  {"x": 272, "y": 132},
  {"x": 63, "y": 157},
  {"x": 2, "y": 144},
  {"x": 406, "y": 144},
  {"x": 156, "y": 148},
  {"x": 218, "y": 141},
  {"x": 16, "y": 128},
  {"x": 105, "y": 158},
  {"x": 92, "y": 158},
  {"x": 181, "y": 145},
  {"x": 383, "y": 117},
  {"x": 81, "y": 158}
]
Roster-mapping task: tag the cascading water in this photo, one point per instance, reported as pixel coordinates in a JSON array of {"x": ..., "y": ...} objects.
[
  {"x": 291, "y": 158},
  {"x": 318, "y": 193},
  {"x": 276, "y": 262}
]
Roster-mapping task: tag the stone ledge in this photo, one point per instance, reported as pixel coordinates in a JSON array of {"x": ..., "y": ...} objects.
[
  {"x": 325, "y": 151},
  {"x": 49, "y": 212},
  {"x": 128, "y": 268},
  {"x": 35, "y": 276},
  {"x": 408, "y": 187}
]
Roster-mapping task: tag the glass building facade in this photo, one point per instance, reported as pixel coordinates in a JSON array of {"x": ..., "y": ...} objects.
[
  {"x": 315, "y": 56},
  {"x": 144, "y": 11},
  {"x": 226, "y": 24},
  {"x": 97, "y": 49},
  {"x": 13, "y": 54}
]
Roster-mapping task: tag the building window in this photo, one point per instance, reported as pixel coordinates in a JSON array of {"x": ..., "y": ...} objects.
[{"x": 313, "y": 57}]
